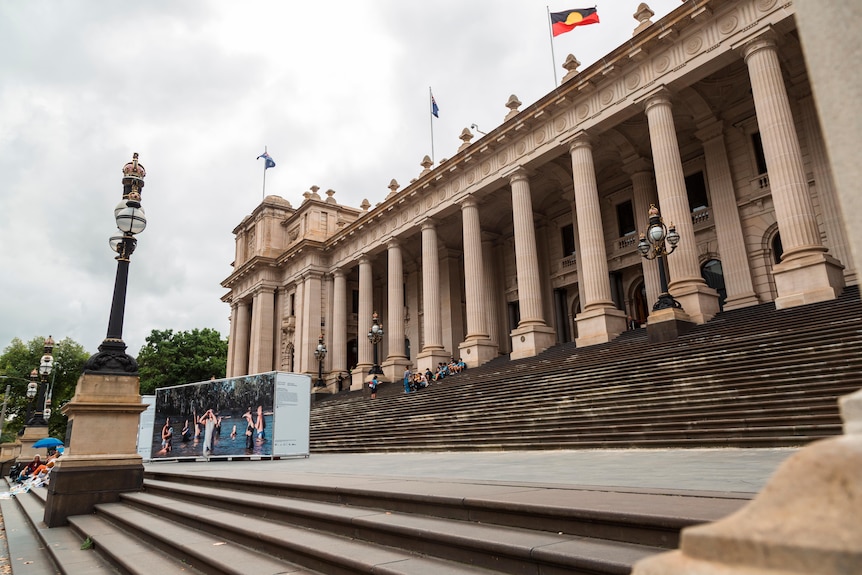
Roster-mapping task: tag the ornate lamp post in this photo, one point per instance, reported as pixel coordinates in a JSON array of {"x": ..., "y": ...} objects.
[
  {"x": 320, "y": 355},
  {"x": 107, "y": 391},
  {"x": 651, "y": 246},
  {"x": 46, "y": 366},
  {"x": 375, "y": 336},
  {"x": 131, "y": 221},
  {"x": 32, "y": 390}
]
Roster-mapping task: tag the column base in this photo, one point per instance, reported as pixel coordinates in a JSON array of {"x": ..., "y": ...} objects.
[
  {"x": 393, "y": 369},
  {"x": 806, "y": 520},
  {"x": 807, "y": 278},
  {"x": 531, "y": 340},
  {"x": 741, "y": 301},
  {"x": 667, "y": 324},
  {"x": 599, "y": 326},
  {"x": 359, "y": 376},
  {"x": 476, "y": 352},
  {"x": 698, "y": 300},
  {"x": 77, "y": 486},
  {"x": 429, "y": 358}
]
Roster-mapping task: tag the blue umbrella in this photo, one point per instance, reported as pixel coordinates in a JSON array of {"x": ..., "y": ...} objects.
[{"x": 47, "y": 442}]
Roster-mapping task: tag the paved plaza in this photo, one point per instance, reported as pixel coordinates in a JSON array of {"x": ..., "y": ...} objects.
[{"x": 723, "y": 469}]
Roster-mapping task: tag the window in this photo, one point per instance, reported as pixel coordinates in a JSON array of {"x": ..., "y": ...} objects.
[
  {"x": 355, "y": 303},
  {"x": 714, "y": 276},
  {"x": 759, "y": 158},
  {"x": 695, "y": 187},
  {"x": 567, "y": 235},
  {"x": 626, "y": 218},
  {"x": 292, "y": 304}
]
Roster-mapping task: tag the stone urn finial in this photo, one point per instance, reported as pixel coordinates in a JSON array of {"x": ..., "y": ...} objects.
[
  {"x": 571, "y": 66},
  {"x": 642, "y": 15},
  {"x": 466, "y": 136},
  {"x": 513, "y": 104},
  {"x": 426, "y": 164}
]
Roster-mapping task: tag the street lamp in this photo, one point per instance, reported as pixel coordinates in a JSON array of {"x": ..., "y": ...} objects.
[
  {"x": 131, "y": 220},
  {"x": 46, "y": 366},
  {"x": 651, "y": 246},
  {"x": 375, "y": 336},
  {"x": 320, "y": 355}
]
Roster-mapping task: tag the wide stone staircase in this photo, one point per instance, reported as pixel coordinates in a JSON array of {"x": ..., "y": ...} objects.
[
  {"x": 247, "y": 521},
  {"x": 750, "y": 377}
]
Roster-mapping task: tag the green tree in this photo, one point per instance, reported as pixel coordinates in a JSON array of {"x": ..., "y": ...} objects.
[
  {"x": 18, "y": 360},
  {"x": 170, "y": 358}
]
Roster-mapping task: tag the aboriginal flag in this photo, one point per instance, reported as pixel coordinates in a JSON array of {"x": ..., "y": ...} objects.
[{"x": 562, "y": 22}]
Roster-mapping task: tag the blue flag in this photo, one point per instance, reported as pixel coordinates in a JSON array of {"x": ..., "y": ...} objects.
[
  {"x": 270, "y": 163},
  {"x": 434, "y": 109}
]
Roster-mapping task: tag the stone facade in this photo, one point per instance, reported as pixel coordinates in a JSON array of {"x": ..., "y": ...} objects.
[{"x": 527, "y": 237}]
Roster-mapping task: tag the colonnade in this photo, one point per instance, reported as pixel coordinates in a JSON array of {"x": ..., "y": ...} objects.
[{"x": 806, "y": 273}]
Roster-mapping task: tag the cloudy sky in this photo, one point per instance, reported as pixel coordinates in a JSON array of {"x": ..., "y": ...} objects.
[{"x": 337, "y": 91}]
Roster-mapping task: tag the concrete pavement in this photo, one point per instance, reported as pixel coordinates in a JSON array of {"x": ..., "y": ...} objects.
[{"x": 722, "y": 469}]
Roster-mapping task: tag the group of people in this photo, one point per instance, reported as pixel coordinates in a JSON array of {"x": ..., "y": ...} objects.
[
  {"x": 414, "y": 381},
  {"x": 37, "y": 471}
]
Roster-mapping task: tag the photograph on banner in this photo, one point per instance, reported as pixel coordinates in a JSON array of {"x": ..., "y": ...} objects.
[{"x": 217, "y": 418}]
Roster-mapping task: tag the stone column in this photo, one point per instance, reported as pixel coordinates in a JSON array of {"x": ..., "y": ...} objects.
[
  {"x": 492, "y": 291},
  {"x": 699, "y": 301},
  {"x": 728, "y": 227},
  {"x": 395, "y": 364},
  {"x": 476, "y": 348},
  {"x": 366, "y": 303},
  {"x": 599, "y": 321},
  {"x": 806, "y": 274},
  {"x": 262, "y": 331},
  {"x": 576, "y": 232},
  {"x": 311, "y": 314},
  {"x": 231, "y": 339},
  {"x": 643, "y": 195},
  {"x": 433, "y": 350},
  {"x": 240, "y": 344},
  {"x": 338, "y": 327},
  {"x": 532, "y": 335},
  {"x": 833, "y": 221}
]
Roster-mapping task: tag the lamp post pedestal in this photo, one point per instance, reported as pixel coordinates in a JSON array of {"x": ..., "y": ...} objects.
[
  {"x": 667, "y": 324},
  {"x": 101, "y": 459},
  {"x": 32, "y": 434}
]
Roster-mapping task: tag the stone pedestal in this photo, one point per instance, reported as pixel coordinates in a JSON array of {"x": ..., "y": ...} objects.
[
  {"x": 809, "y": 278},
  {"x": 806, "y": 519},
  {"x": 599, "y": 326},
  {"x": 529, "y": 341},
  {"x": 101, "y": 460},
  {"x": 667, "y": 324},
  {"x": 32, "y": 434},
  {"x": 475, "y": 352},
  {"x": 429, "y": 359},
  {"x": 699, "y": 301},
  {"x": 393, "y": 369}
]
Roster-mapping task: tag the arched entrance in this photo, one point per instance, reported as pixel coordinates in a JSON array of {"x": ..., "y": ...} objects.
[{"x": 640, "y": 305}]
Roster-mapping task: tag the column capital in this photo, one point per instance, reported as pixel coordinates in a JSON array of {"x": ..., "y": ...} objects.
[
  {"x": 338, "y": 273},
  {"x": 469, "y": 202},
  {"x": 581, "y": 139},
  {"x": 710, "y": 130},
  {"x": 516, "y": 173},
  {"x": 364, "y": 258},
  {"x": 767, "y": 40},
  {"x": 393, "y": 243},
  {"x": 660, "y": 97},
  {"x": 429, "y": 223},
  {"x": 637, "y": 165}
]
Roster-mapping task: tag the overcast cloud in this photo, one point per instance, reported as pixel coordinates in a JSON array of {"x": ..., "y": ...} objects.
[{"x": 338, "y": 91}]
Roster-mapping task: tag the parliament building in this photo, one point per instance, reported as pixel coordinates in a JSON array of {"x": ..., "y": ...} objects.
[{"x": 529, "y": 235}]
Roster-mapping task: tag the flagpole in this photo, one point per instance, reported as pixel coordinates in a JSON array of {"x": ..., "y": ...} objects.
[
  {"x": 263, "y": 194},
  {"x": 551, "y": 37},
  {"x": 431, "y": 120}
]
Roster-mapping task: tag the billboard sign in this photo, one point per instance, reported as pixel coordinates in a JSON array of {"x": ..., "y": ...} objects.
[{"x": 264, "y": 415}]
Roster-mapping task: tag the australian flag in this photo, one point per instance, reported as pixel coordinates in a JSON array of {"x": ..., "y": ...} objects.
[
  {"x": 270, "y": 163},
  {"x": 435, "y": 110}
]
